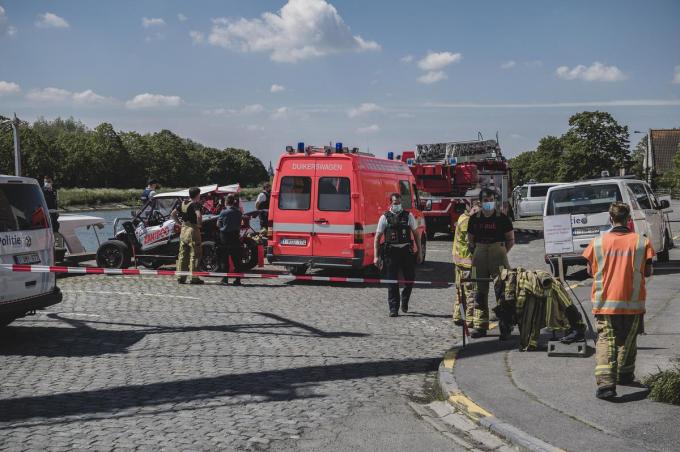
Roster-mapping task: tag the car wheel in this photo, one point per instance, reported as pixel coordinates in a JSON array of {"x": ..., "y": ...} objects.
[
  {"x": 430, "y": 235},
  {"x": 248, "y": 254},
  {"x": 209, "y": 260},
  {"x": 113, "y": 254}
]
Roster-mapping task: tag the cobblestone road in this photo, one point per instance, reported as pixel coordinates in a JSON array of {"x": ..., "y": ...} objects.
[{"x": 141, "y": 362}]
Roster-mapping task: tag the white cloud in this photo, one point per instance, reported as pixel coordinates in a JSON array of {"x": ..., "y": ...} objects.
[
  {"x": 676, "y": 74},
  {"x": 367, "y": 107},
  {"x": 49, "y": 95},
  {"x": 597, "y": 72},
  {"x": 584, "y": 104},
  {"x": 5, "y": 28},
  {"x": 58, "y": 95},
  {"x": 148, "y": 100},
  {"x": 369, "y": 129},
  {"x": 509, "y": 64},
  {"x": 435, "y": 61},
  {"x": 181, "y": 17},
  {"x": 50, "y": 20},
  {"x": 301, "y": 29},
  {"x": 197, "y": 37},
  {"x": 152, "y": 22},
  {"x": 281, "y": 113},
  {"x": 406, "y": 58},
  {"x": 276, "y": 88},
  {"x": 432, "y": 77},
  {"x": 9, "y": 88},
  {"x": 247, "y": 110},
  {"x": 252, "y": 109}
]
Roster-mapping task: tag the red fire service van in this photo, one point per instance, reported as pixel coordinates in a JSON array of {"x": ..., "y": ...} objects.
[{"x": 326, "y": 203}]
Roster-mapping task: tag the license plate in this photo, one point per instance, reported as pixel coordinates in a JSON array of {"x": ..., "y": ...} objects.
[
  {"x": 27, "y": 259},
  {"x": 590, "y": 230},
  {"x": 294, "y": 242}
]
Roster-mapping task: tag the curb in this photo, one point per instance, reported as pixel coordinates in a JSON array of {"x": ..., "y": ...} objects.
[{"x": 481, "y": 416}]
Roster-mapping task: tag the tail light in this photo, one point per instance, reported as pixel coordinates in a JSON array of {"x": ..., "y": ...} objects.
[
  {"x": 630, "y": 225},
  {"x": 358, "y": 233},
  {"x": 270, "y": 229}
]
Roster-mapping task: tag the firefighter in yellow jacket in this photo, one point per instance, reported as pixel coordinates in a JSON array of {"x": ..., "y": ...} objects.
[
  {"x": 619, "y": 261},
  {"x": 462, "y": 260}
]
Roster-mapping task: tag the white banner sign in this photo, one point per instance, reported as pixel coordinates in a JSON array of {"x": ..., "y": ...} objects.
[{"x": 557, "y": 234}]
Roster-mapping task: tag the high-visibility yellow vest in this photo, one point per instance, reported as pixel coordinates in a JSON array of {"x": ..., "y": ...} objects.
[
  {"x": 618, "y": 274},
  {"x": 461, "y": 254}
]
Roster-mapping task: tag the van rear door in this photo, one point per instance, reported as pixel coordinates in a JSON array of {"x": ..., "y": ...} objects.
[
  {"x": 294, "y": 222},
  {"x": 333, "y": 214}
]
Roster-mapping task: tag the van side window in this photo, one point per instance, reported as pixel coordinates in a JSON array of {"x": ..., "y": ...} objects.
[
  {"x": 334, "y": 194},
  {"x": 405, "y": 191},
  {"x": 641, "y": 195},
  {"x": 295, "y": 193},
  {"x": 415, "y": 191},
  {"x": 652, "y": 197},
  {"x": 21, "y": 208},
  {"x": 523, "y": 192}
]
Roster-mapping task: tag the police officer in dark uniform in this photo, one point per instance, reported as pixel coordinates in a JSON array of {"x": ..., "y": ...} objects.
[
  {"x": 52, "y": 201},
  {"x": 229, "y": 223},
  {"x": 400, "y": 229},
  {"x": 262, "y": 203}
]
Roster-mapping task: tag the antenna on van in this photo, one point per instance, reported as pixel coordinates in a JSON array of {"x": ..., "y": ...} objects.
[{"x": 497, "y": 138}]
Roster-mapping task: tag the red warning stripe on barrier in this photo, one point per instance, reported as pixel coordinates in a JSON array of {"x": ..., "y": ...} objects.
[{"x": 145, "y": 272}]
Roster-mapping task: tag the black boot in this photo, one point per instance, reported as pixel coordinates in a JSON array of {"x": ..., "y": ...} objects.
[
  {"x": 606, "y": 392},
  {"x": 404, "y": 306},
  {"x": 573, "y": 335}
]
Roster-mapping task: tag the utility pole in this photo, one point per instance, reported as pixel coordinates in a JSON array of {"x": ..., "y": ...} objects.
[{"x": 17, "y": 143}]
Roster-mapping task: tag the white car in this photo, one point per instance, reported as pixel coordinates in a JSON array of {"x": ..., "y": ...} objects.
[
  {"x": 530, "y": 199},
  {"x": 588, "y": 204},
  {"x": 26, "y": 238}
]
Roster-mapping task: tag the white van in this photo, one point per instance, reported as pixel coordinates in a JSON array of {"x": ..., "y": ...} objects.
[
  {"x": 530, "y": 199},
  {"x": 588, "y": 203},
  {"x": 26, "y": 238}
]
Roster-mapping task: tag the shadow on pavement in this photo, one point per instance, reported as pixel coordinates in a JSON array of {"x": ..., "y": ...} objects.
[
  {"x": 631, "y": 397},
  {"x": 82, "y": 339},
  {"x": 272, "y": 385}
]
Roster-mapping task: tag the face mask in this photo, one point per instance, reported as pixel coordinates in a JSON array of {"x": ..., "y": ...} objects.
[
  {"x": 488, "y": 206},
  {"x": 395, "y": 208},
  {"x": 47, "y": 185}
]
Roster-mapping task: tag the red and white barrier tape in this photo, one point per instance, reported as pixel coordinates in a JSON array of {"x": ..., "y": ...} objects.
[{"x": 145, "y": 272}]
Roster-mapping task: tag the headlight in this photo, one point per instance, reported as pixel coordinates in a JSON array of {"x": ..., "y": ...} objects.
[{"x": 428, "y": 204}]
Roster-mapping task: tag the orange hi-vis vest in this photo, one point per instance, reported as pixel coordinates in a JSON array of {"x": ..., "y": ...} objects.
[{"x": 618, "y": 265}]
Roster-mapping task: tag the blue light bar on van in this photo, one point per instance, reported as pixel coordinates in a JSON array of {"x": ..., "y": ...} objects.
[
  {"x": 453, "y": 161},
  {"x": 301, "y": 147},
  {"x": 410, "y": 162},
  {"x": 338, "y": 147},
  {"x": 390, "y": 155}
]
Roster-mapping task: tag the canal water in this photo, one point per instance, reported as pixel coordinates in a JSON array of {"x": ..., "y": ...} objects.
[{"x": 89, "y": 240}]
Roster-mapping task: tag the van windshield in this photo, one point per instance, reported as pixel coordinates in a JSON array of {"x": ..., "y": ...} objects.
[
  {"x": 295, "y": 193},
  {"x": 539, "y": 191},
  {"x": 595, "y": 198},
  {"x": 22, "y": 208}
]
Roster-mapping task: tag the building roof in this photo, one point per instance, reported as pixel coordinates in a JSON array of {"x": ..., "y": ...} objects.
[{"x": 664, "y": 145}]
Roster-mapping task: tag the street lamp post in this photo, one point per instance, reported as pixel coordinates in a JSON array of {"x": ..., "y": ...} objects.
[{"x": 17, "y": 143}]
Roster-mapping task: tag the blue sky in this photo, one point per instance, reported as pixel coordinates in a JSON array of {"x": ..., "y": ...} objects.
[{"x": 383, "y": 75}]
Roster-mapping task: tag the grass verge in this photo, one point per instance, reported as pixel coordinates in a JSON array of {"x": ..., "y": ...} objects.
[{"x": 664, "y": 386}]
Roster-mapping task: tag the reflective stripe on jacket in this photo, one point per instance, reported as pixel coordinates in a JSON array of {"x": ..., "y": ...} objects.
[
  {"x": 618, "y": 267},
  {"x": 461, "y": 253}
]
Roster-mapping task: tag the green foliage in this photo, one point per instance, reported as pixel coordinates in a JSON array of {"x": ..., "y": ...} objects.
[
  {"x": 672, "y": 178},
  {"x": 664, "y": 386},
  {"x": 595, "y": 142},
  {"x": 79, "y": 157}
]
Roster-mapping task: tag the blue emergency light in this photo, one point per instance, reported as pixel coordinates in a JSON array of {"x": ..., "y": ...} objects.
[
  {"x": 301, "y": 147},
  {"x": 390, "y": 155},
  {"x": 338, "y": 147},
  {"x": 410, "y": 162},
  {"x": 453, "y": 161}
]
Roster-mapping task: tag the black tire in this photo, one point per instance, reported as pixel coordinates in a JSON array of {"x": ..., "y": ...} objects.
[
  {"x": 297, "y": 270},
  {"x": 113, "y": 254},
  {"x": 210, "y": 261},
  {"x": 664, "y": 255},
  {"x": 248, "y": 254},
  {"x": 430, "y": 235}
]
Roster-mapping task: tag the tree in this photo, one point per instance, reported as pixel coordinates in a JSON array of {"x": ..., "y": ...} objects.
[
  {"x": 637, "y": 158},
  {"x": 545, "y": 159},
  {"x": 595, "y": 142},
  {"x": 520, "y": 167},
  {"x": 672, "y": 178}
]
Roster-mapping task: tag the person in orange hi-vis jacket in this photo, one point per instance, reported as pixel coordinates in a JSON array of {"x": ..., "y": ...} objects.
[{"x": 618, "y": 261}]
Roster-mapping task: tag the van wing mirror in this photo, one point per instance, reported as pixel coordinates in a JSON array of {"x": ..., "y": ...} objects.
[{"x": 664, "y": 204}]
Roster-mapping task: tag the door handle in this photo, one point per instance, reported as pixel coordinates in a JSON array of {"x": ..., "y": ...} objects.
[{"x": 321, "y": 220}]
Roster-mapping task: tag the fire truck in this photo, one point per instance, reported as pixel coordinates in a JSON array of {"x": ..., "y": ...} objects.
[{"x": 451, "y": 175}]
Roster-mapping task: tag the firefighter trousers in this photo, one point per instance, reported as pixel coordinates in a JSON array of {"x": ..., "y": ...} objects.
[
  {"x": 465, "y": 291},
  {"x": 616, "y": 347},
  {"x": 399, "y": 260},
  {"x": 486, "y": 262},
  {"x": 189, "y": 249}
]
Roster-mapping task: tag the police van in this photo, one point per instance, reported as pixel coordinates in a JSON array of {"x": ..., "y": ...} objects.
[
  {"x": 588, "y": 204},
  {"x": 26, "y": 238},
  {"x": 326, "y": 203}
]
